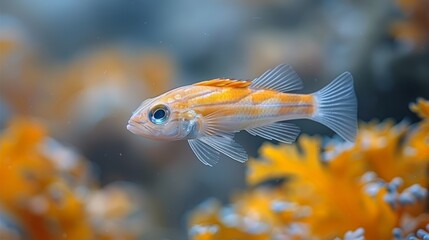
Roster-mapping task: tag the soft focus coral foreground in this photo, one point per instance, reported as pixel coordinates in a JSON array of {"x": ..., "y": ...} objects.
[
  {"x": 31, "y": 189},
  {"x": 47, "y": 192},
  {"x": 372, "y": 189}
]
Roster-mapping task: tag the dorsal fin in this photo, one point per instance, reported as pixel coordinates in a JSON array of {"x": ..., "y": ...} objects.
[
  {"x": 225, "y": 82},
  {"x": 281, "y": 78}
]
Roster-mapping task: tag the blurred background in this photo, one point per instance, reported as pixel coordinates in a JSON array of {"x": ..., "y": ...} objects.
[{"x": 74, "y": 70}]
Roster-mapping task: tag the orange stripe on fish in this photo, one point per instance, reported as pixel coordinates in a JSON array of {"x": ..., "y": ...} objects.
[
  {"x": 220, "y": 95},
  {"x": 224, "y": 82},
  {"x": 208, "y": 113}
]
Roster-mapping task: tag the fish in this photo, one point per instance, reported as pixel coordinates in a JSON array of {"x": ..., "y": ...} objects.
[{"x": 208, "y": 114}]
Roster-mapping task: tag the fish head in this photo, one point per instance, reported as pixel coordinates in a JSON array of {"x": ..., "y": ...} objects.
[{"x": 162, "y": 119}]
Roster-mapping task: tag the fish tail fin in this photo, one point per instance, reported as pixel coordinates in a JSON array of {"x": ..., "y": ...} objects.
[{"x": 336, "y": 107}]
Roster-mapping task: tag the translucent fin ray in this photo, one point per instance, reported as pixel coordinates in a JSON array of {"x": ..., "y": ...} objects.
[
  {"x": 206, "y": 154},
  {"x": 282, "y": 132},
  {"x": 226, "y": 145},
  {"x": 281, "y": 78},
  {"x": 214, "y": 123},
  {"x": 208, "y": 149},
  {"x": 336, "y": 107}
]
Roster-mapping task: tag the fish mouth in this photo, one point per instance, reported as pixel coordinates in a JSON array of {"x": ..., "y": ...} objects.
[
  {"x": 130, "y": 127},
  {"x": 134, "y": 128},
  {"x": 139, "y": 128}
]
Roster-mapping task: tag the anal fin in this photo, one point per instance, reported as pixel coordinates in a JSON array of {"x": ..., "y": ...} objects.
[{"x": 279, "y": 131}]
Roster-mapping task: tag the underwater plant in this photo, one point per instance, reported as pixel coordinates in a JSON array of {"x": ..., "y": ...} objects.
[{"x": 375, "y": 188}]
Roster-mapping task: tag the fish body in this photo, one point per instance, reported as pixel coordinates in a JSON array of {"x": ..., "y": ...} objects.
[{"x": 208, "y": 113}]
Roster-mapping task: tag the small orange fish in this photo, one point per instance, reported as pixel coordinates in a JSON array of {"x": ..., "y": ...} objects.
[{"x": 208, "y": 113}]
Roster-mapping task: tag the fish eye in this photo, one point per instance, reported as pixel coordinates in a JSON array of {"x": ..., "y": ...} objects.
[{"x": 159, "y": 114}]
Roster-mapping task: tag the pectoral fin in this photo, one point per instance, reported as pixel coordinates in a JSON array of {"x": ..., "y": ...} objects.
[
  {"x": 206, "y": 154},
  {"x": 215, "y": 124},
  {"x": 207, "y": 149},
  {"x": 279, "y": 131}
]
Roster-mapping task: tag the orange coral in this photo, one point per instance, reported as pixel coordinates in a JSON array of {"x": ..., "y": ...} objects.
[
  {"x": 33, "y": 192},
  {"x": 249, "y": 217},
  {"x": 49, "y": 191},
  {"x": 421, "y": 108},
  {"x": 330, "y": 187},
  {"x": 376, "y": 186}
]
